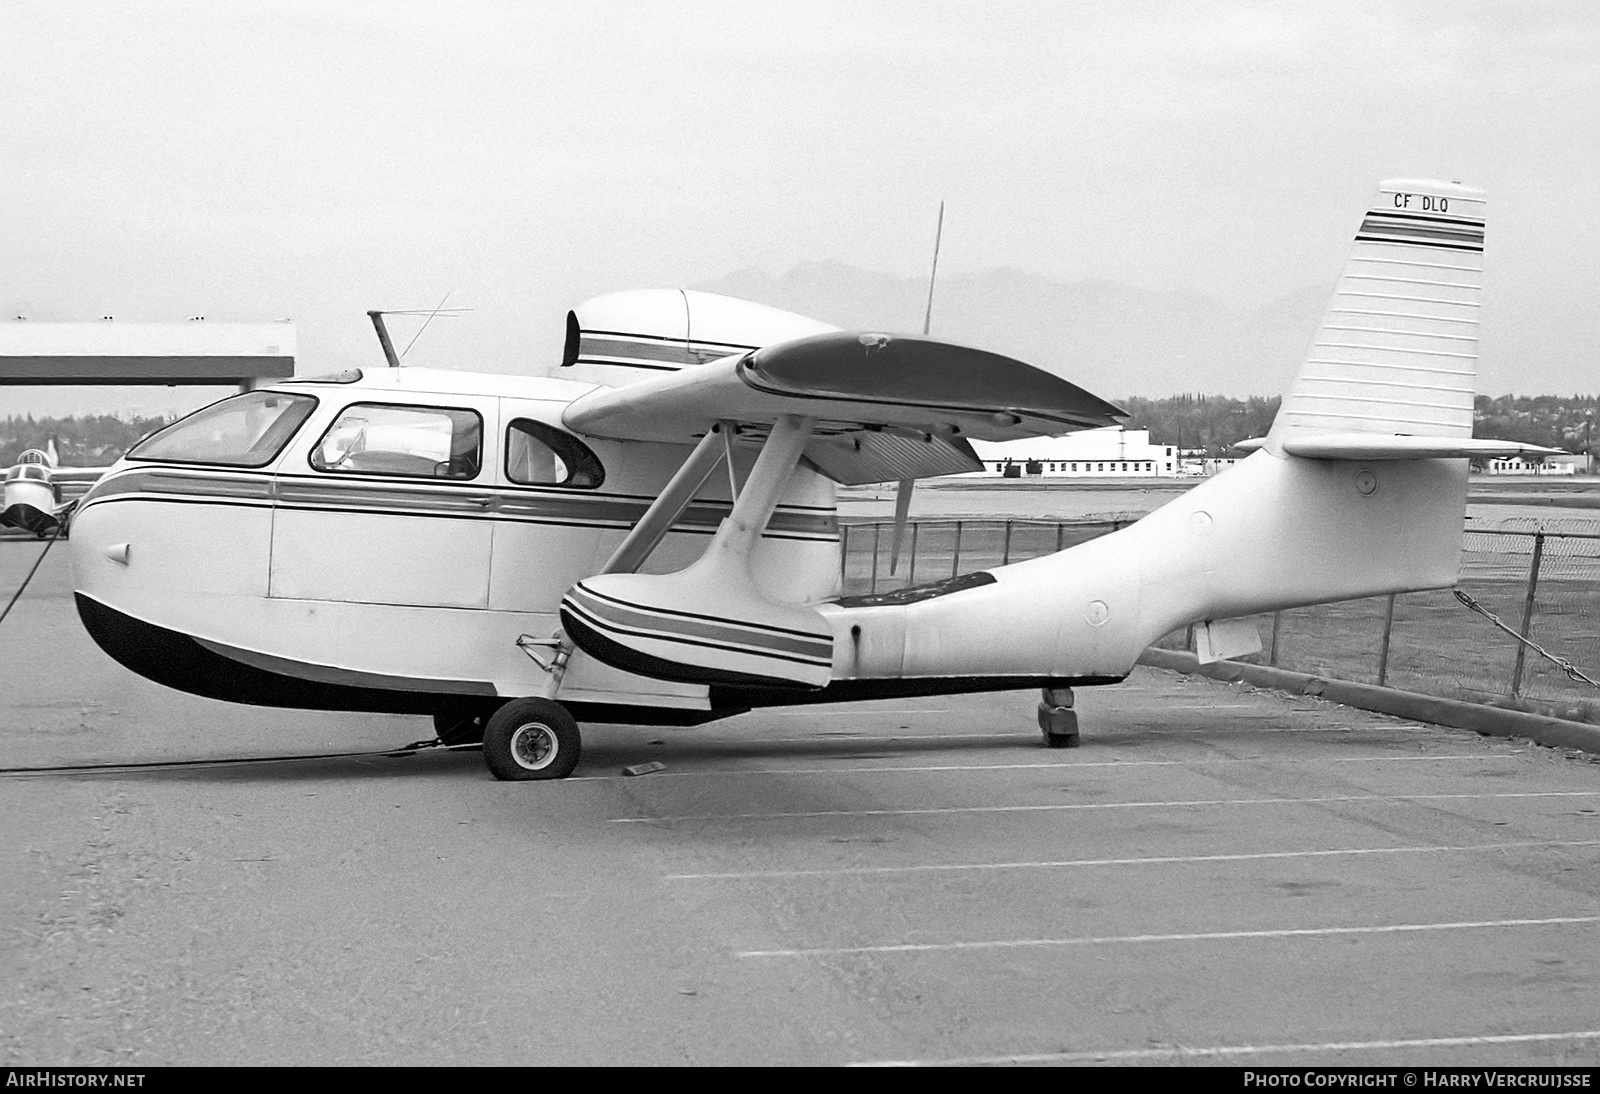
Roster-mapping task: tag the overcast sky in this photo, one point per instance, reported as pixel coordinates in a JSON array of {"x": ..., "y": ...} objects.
[{"x": 258, "y": 159}]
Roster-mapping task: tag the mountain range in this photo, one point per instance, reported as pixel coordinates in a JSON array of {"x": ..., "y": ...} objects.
[{"x": 1112, "y": 339}]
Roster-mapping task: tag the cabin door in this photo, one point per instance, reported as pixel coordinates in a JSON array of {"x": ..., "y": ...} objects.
[{"x": 391, "y": 505}]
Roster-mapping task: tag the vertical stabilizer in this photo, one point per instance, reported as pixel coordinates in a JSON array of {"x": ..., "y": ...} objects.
[{"x": 1397, "y": 351}]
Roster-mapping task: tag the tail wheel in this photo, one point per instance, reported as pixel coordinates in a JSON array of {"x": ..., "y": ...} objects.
[{"x": 531, "y": 738}]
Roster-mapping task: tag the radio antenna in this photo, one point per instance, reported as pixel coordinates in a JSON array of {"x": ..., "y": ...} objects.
[
  {"x": 383, "y": 330},
  {"x": 424, "y": 326},
  {"x": 938, "y": 236},
  {"x": 902, "y": 493}
]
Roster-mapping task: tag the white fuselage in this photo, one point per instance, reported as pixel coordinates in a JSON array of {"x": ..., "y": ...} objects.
[{"x": 396, "y": 586}]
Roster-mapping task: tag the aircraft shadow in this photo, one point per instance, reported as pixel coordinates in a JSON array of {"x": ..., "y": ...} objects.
[{"x": 605, "y": 758}]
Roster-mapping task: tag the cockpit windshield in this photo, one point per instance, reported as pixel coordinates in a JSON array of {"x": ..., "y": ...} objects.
[{"x": 247, "y": 430}]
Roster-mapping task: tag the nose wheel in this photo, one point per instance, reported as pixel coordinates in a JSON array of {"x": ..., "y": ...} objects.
[{"x": 531, "y": 738}]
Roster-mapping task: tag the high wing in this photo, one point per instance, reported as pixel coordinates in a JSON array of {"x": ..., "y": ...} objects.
[{"x": 885, "y": 407}]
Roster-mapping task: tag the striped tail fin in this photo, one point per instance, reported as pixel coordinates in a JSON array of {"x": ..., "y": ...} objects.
[{"x": 1397, "y": 351}]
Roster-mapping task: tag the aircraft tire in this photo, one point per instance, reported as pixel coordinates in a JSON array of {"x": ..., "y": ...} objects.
[
  {"x": 1059, "y": 725},
  {"x": 531, "y": 738}
]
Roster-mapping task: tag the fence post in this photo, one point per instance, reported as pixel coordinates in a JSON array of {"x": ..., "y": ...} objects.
[
  {"x": 955, "y": 555},
  {"x": 1383, "y": 650},
  {"x": 1272, "y": 654},
  {"x": 877, "y": 534},
  {"x": 1061, "y": 534},
  {"x": 911, "y": 567},
  {"x": 1527, "y": 610},
  {"x": 1005, "y": 552}
]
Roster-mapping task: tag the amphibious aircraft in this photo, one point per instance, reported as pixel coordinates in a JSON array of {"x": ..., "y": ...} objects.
[
  {"x": 34, "y": 500},
  {"x": 512, "y": 554}
]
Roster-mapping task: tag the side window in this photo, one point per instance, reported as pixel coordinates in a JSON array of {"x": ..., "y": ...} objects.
[
  {"x": 541, "y": 455},
  {"x": 414, "y": 441}
]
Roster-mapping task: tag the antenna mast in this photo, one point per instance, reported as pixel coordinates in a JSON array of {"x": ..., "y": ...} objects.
[
  {"x": 383, "y": 331},
  {"x": 938, "y": 236},
  {"x": 383, "y": 339},
  {"x": 902, "y": 493}
]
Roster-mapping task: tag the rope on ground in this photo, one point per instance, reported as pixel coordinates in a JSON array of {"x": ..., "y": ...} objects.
[
  {"x": 161, "y": 765},
  {"x": 1561, "y": 663},
  {"x": 60, "y": 525}
]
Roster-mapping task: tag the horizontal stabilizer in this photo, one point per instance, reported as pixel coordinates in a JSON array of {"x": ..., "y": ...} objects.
[{"x": 1382, "y": 446}]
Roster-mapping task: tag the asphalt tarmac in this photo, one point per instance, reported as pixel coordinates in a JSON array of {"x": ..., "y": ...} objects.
[{"x": 1218, "y": 876}]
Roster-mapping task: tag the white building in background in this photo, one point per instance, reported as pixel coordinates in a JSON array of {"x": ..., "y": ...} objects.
[
  {"x": 1563, "y": 463},
  {"x": 1090, "y": 453}
]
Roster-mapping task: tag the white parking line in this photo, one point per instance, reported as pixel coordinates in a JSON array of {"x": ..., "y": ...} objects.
[
  {"x": 1200, "y": 936},
  {"x": 854, "y": 738},
  {"x": 1154, "y": 860},
  {"x": 1058, "y": 807},
  {"x": 1181, "y": 1052},
  {"x": 1049, "y": 765},
  {"x": 859, "y": 712},
  {"x": 1265, "y": 709}
]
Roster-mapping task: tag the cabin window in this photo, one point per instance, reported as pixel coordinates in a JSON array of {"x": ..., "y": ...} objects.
[
  {"x": 425, "y": 442},
  {"x": 246, "y": 430},
  {"x": 542, "y": 455}
]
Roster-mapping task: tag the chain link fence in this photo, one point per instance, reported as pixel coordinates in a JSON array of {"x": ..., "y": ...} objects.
[
  {"x": 1541, "y": 578},
  {"x": 934, "y": 550}
]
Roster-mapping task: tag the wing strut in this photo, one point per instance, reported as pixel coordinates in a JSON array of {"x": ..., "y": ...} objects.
[
  {"x": 730, "y": 433},
  {"x": 669, "y": 504},
  {"x": 640, "y": 541},
  {"x": 763, "y": 489},
  {"x": 902, "y": 508},
  {"x": 712, "y": 622}
]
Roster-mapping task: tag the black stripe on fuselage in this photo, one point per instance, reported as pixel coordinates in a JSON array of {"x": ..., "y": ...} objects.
[
  {"x": 860, "y": 691},
  {"x": 466, "y": 501},
  {"x": 608, "y": 627},
  {"x": 178, "y": 661},
  {"x": 814, "y": 635},
  {"x": 614, "y": 653},
  {"x": 547, "y": 522}
]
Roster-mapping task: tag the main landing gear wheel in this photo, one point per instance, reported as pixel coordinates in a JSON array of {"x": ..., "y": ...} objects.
[{"x": 531, "y": 738}]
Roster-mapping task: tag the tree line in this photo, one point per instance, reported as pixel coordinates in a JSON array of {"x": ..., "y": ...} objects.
[
  {"x": 1215, "y": 422},
  {"x": 1209, "y": 422},
  {"x": 92, "y": 441}
]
